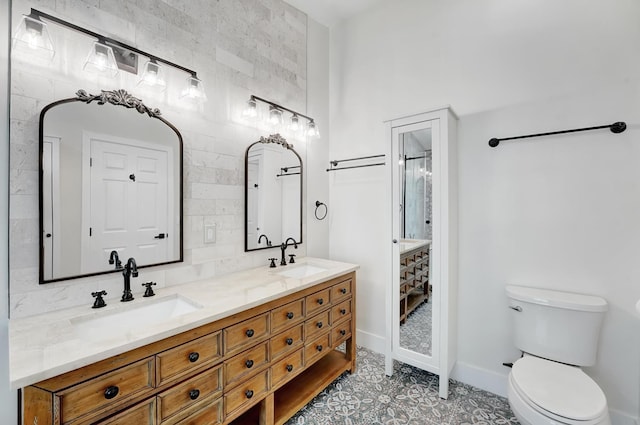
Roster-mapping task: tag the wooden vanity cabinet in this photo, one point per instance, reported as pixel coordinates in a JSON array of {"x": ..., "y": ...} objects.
[
  {"x": 414, "y": 280},
  {"x": 259, "y": 366}
]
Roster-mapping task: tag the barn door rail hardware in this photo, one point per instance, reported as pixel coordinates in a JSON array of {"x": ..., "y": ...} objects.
[
  {"x": 616, "y": 127},
  {"x": 334, "y": 164}
]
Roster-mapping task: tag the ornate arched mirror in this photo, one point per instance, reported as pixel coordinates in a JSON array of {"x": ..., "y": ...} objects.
[
  {"x": 110, "y": 186},
  {"x": 273, "y": 193}
]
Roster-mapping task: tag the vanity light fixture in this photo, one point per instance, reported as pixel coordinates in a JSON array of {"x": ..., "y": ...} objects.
[
  {"x": 153, "y": 76},
  {"x": 275, "y": 117},
  {"x": 33, "y": 37},
  {"x": 101, "y": 60},
  {"x": 312, "y": 130},
  {"x": 251, "y": 110},
  {"x": 105, "y": 52}
]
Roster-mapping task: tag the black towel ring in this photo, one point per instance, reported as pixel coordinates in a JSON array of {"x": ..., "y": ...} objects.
[{"x": 326, "y": 210}]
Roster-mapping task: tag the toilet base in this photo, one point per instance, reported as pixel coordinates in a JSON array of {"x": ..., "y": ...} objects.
[{"x": 527, "y": 415}]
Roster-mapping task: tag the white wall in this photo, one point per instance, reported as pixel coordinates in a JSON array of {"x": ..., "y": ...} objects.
[
  {"x": 317, "y": 182},
  {"x": 557, "y": 212},
  {"x": 8, "y": 400}
]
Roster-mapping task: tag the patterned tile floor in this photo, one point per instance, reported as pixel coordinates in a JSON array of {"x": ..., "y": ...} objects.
[
  {"x": 415, "y": 333},
  {"x": 409, "y": 397}
]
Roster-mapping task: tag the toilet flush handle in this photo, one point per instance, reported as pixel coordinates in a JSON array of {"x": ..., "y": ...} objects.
[{"x": 516, "y": 308}]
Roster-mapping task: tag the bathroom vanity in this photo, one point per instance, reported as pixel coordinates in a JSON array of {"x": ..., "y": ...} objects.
[
  {"x": 414, "y": 275},
  {"x": 257, "y": 347}
]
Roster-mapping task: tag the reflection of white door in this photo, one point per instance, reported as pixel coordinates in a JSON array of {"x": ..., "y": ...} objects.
[
  {"x": 50, "y": 200},
  {"x": 253, "y": 202},
  {"x": 128, "y": 202}
]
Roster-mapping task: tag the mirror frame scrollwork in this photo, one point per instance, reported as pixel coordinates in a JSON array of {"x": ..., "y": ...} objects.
[
  {"x": 122, "y": 98},
  {"x": 279, "y": 140}
]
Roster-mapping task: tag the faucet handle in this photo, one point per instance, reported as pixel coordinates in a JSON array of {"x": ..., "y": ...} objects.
[
  {"x": 291, "y": 260},
  {"x": 99, "y": 302},
  {"x": 273, "y": 262},
  {"x": 149, "y": 292}
]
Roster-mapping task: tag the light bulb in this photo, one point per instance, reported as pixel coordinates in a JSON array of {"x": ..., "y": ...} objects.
[{"x": 251, "y": 110}]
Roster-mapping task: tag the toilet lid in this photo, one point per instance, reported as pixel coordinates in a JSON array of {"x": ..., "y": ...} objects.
[{"x": 560, "y": 389}]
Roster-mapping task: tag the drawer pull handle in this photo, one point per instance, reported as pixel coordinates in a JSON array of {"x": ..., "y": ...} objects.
[
  {"x": 193, "y": 357},
  {"x": 319, "y": 325},
  {"x": 320, "y": 301},
  {"x": 289, "y": 367},
  {"x": 249, "y": 364},
  {"x": 319, "y": 347},
  {"x": 111, "y": 392},
  {"x": 289, "y": 341},
  {"x": 343, "y": 290},
  {"x": 250, "y": 332},
  {"x": 343, "y": 332},
  {"x": 248, "y": 393},
  {"x": 343, "y": 311},
  {"x": 290, "y": 315},
  {"x": 194, "y": 394}
]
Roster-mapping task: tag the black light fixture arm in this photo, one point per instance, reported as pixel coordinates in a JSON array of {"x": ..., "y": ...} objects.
[
  {"x": 253, "y": 97},
  {"x": 616, "y": 127},
  {"x": 36, "y": 14}
]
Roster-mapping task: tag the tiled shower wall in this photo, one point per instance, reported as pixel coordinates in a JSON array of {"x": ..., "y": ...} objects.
[{"x": 238, "y": 48}]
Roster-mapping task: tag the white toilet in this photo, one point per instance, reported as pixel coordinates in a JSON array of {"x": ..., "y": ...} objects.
[{"x": 557, "y": 332}]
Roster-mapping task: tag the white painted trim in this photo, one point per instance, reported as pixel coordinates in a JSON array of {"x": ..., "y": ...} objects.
[
  {"x": 370, "y": 341},
  {"x": 620, "y": 418},
  {"x": 484, "y": 379}
]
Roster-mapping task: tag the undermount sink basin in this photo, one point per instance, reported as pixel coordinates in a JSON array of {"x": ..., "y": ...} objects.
[
  {"x": 119, "y": 321},
  {"x": 302, "y": 271}
]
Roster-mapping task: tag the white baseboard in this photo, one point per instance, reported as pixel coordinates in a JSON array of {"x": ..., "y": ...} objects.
[
  {"x": 621, "y": 418},
  {"x": 370, "y": 341},
  {"x": 484, "y": 379}
]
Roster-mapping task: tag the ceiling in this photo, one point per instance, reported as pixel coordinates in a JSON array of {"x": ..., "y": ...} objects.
[{"x": 330, "y": 12}]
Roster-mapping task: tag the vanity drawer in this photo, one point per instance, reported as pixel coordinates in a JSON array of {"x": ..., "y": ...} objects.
[
  {"x": 287, "y": 368},
  {"x": 110, "y": 389},
  {"x": 341, "y": 290},
  {"x": 316, "y": 348},
  {"x": 245, "y": 363},
  {"x": 343, "y": 310},
  {"x": 318, "y": 323},
  {"x": 287, "y": 315},
  {"x": 244, "y": 334},
  {"x": 172, "y": 363},
  {"x": 141, "y": 414},
  {"x": 250, "y": 392},
  {"x": 206, "y": 385},
  {"x": 211, "y": 414},
  {"x": 317, "y": 301},
  {"x": 340, "y": 333},
  {"x": 286, "y": 341}
]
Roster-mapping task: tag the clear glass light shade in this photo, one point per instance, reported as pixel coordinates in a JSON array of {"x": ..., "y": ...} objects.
[
  {"x": 194, "y": 90},
  {"x": 32, "y": 38},
  {"x": 153, "y": 76},
  {"x": 275, "y": 116},
  {"x": 101, "y": 60},
  {"x": 294, "y": 124},
  {"x": 312, "y": 130},
  {"x": 251, "y": 110}
]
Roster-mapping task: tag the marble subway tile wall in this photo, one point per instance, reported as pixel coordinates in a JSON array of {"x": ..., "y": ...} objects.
[{"x": 238, "y": 48}]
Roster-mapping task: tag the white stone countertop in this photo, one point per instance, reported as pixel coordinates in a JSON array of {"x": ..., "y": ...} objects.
[
  {"x": 47, "y": 345},
  {"x": 407, "y": 245}
]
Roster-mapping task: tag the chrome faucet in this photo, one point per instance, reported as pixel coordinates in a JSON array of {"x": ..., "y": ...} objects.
[
  {"x": 113, "y": 258},
  {"x": 131, "y": 269},
  {"x": 283, "y": 248}
]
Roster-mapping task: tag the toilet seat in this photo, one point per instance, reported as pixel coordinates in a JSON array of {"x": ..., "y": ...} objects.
[{"x": 558, "y": 391}]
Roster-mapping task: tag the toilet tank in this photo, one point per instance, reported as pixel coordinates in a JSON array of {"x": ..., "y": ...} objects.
[{"x": 559, "y": 326}]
